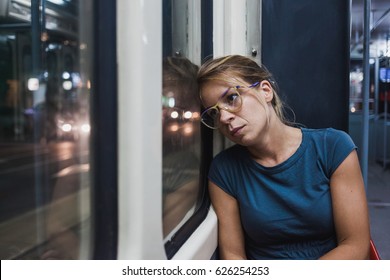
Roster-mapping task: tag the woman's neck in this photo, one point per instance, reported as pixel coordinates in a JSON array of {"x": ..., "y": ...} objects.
[{"x": 277, "y": 145}]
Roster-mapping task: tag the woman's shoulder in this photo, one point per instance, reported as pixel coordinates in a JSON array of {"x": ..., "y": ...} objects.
[
  {"x": 329, "y": 139},
  {"x": 328, "y": 134},
  {"x": 331, "y": 146}
]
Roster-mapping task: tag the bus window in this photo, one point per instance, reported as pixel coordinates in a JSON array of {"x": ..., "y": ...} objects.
[
  {"x": 181, "y": 141},
  {"x": 45, "y": 186},
  {"x": 182, "y": 190}
]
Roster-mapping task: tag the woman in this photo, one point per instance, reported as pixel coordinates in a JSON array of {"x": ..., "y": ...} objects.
[{"x": 281, "y": 192}]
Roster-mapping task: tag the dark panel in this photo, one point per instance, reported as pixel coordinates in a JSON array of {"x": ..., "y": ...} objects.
[
  {"x": 104, "y": 131},
  {"x": 305, "y": 44},
  {"x": 207, "y": 29},
  {"x": 167, "y": 28}
]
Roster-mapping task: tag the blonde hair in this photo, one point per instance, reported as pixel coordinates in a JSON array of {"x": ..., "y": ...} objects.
[{"x": 240, "y": 67}]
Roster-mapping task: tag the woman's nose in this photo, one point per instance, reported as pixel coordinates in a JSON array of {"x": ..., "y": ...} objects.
[{"x": 225, "y": 116}]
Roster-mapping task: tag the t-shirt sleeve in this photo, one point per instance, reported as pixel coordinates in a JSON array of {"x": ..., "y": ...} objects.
[
  {"x": 221, "y": 173},
  {"x": 339, "y": 146}
]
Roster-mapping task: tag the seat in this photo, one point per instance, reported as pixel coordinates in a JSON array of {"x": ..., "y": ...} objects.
[{"x": 374, "y": 255}]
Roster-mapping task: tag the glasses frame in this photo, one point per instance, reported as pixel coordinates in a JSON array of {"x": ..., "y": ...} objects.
[{"x": 218, "y": 107}]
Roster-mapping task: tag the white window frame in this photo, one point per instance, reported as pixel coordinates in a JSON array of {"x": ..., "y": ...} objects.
[
  {"x": 139, "y": 101},
  {"x": 237, "y": 28}
]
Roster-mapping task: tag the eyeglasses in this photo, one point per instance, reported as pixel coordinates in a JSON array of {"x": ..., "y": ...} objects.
[{"x": 230, "y": 101}]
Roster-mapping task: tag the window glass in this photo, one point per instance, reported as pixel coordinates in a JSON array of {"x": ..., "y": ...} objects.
[
  {"x": 181, "y": 142},
  {"x": 356, "y": 86},
  {"x": 181, "y": 116},
  {"x": 45, "y": 69}
]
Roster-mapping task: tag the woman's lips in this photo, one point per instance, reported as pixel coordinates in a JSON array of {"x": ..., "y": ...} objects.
[{"x": 235, "y": 131}]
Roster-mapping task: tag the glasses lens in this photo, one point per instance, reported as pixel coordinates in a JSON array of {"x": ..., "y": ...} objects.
[
  {"x": 210, "y": 117},
  {"x": 231, "y": 101}
]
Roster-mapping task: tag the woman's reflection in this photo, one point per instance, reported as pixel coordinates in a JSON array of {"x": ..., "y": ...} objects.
[{"x": 181, "y": 141}]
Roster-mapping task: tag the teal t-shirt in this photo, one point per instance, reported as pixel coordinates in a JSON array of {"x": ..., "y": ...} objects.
[{"x": 286, "y": 210}]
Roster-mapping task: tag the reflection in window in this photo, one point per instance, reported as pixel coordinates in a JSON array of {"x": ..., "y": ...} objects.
[
  {"x": 181, "y": 142},
  {"x": 44, "y": 133},
  {"x": 356, "y": 86}
]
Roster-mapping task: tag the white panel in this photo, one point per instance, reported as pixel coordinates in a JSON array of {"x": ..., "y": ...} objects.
[
  {"x": 235, "y": 14},
  {"x": 186, "y": 29},
  {"x": 194, "y": 31},
  {"x": 140, "y": 156},
  {"x": 202, "y": 243},
  {"x": 253, "y": 29},
  {"x": 180, "y": 27},
  {"x": 229, "y": 27},
  {"x": 237, "y": 27},
  {"x": 219, "y": 27}
]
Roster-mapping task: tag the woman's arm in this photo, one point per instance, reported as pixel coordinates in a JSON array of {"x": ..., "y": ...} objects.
[
  {"x": 230, "y": 234},
  {"x": 350, "y": 211}
]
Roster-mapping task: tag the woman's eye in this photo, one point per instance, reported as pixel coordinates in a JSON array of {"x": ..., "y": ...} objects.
[{"x": 231, "y": 98}]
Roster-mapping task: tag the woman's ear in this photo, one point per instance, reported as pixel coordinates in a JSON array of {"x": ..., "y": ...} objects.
[{"x": 267, "y": 90}]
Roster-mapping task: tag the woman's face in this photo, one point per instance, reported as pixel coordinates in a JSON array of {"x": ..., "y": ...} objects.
[{"x": 251, "y": 121}]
